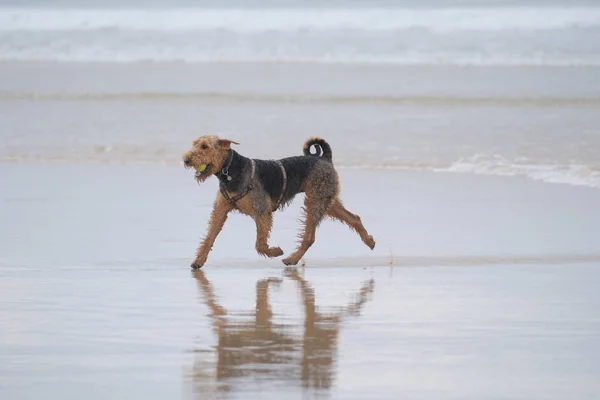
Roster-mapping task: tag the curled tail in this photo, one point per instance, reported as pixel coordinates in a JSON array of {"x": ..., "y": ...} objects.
[{"x": 322, "y": 148}]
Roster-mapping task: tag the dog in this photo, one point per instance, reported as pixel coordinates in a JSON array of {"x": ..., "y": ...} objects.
[{"x": 258, "y": 188}]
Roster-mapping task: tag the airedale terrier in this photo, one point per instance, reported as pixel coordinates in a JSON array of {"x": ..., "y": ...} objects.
[{"x": 258, "y": 188}]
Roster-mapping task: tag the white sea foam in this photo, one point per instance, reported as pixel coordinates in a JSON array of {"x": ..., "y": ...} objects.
[
  {"x": 482, "y": 36},
  {"x": 579, "y": 175},
  {"x": 265, "y": 20}
]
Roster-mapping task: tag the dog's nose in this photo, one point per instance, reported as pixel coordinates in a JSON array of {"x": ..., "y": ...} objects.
[{"x": 187, "y": 161}]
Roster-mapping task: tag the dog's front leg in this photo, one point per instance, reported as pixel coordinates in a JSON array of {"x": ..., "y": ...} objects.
[
  {"x": 217, "y": 220},
  {"x": 264, "y": 224}
]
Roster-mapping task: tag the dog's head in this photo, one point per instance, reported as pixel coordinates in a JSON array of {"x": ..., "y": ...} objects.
[{"x": 207, "y": 155}]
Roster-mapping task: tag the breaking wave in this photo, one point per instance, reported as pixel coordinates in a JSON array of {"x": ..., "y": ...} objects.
[
  {"x": 282, "y": 20},
  {"x": 579, "y": 175},
  {"x": 473, "y": 36}
]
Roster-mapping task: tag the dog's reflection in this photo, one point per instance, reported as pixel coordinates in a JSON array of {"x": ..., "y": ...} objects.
[{"x": 260, "y": 349}]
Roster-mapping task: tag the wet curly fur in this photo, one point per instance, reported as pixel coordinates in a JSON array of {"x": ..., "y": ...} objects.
[{"x": 261, "y": 192}]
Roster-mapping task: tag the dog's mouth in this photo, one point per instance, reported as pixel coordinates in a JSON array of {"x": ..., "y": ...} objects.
[{"x": 201, "y": 171}]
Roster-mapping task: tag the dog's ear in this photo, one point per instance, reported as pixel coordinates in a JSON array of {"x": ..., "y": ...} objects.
[{"x": 226, "y": 143}]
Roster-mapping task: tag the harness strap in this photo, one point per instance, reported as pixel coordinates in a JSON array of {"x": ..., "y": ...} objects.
[
  {"x": 284, "y": 185},
  {"x": 233, "y": 200}
]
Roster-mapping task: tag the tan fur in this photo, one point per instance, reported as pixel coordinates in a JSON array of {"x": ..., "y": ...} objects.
[
  {"x": 264, "y": 223},
  {"x": 338, "y": 212},
  {"x": 210, "y": 150},
  {"x": 321, "y": 188},
  {"x": 217, "y": 220}
]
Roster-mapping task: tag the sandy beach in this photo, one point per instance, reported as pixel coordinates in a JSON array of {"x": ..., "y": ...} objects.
[{"x": 465, "y": 135}]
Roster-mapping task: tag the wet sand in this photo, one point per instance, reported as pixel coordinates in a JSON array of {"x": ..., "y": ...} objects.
[{"x": 479, "y": 287}]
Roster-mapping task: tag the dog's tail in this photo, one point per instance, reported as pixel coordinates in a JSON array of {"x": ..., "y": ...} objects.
[{"x": 322, "y": 148}]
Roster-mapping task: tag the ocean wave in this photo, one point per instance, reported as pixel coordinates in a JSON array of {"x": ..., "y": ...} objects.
[
  {"x": 462, "y": 36},
  {"x": 84, "y": 54},
  {"x": 573, "y": 174},
  {"x": 285, "y": 20}
]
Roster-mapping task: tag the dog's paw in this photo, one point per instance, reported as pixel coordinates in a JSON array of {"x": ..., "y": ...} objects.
[
  {"x": 370, "y": 242},
  {"x": 270, "y": 252},
  {"x": 274, "y": 252},
  {"x": 198, "y": 263},
  {"x": 291, "y": 260}
]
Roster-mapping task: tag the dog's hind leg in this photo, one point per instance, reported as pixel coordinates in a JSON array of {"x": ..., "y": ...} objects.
[
  {"x": 321, "y": 188},
  {"x": 314, "y": 213},
  {"x": 264, "y": 223},
  {"x": 339, "y": 212}
]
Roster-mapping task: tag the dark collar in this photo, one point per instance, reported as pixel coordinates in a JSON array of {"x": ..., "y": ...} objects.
[{"x": 223, "y": 173}]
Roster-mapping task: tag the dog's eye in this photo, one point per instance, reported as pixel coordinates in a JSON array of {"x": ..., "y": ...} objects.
[{"x": 204, "y": 147}]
